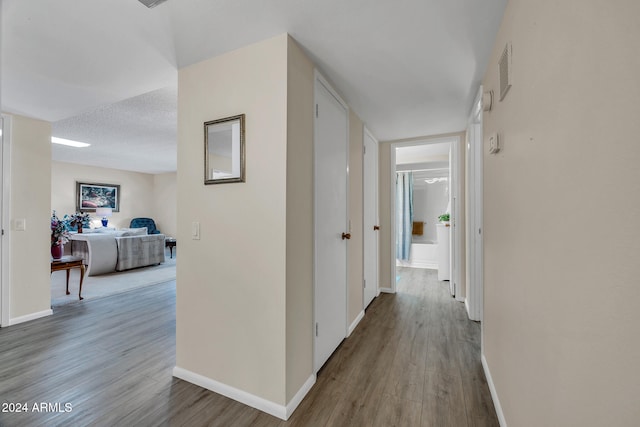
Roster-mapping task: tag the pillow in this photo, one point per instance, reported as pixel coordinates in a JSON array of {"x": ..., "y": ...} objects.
[{"x": 142, "y": 231}]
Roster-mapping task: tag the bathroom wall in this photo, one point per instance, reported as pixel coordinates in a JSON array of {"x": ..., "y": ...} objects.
[{"x": 429, "y": 202}]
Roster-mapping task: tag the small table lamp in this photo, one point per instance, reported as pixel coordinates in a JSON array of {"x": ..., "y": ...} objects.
[{"x": 104, "y": 213}]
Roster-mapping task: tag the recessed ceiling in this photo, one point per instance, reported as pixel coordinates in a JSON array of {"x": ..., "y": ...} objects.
[{"x": 408, "y": 69}]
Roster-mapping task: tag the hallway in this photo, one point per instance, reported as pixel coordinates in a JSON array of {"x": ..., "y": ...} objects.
[{"x": 413, "y": 360}]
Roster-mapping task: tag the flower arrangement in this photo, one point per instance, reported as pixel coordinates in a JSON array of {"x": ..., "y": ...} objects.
[
  {"x": 59, "y": 233},
  {"x": 76, "y": 220}
]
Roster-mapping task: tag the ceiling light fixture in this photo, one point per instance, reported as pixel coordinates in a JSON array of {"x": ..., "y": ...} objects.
[
  {"x": 69, "y": 142},
  {"x": 151, "y": 3}
]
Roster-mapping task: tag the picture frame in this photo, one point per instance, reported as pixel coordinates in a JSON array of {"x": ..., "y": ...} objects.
[
  {"x": 224, "y": 150},
  {"x": 90, "y": 196}
]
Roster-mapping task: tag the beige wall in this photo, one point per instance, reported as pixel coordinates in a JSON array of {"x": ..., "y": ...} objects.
[
  {"x": 299, "y": 218},
  {"x": 561, "y": 214},
  {"x": 355, "y": 248},
  {"x": 231, "y": 284},
  {"x": 164, "y": 203},
  {"x": 30, "y": 200},
  {"x": 387, "y": 206},
  {"x": 136, "y": 190}
]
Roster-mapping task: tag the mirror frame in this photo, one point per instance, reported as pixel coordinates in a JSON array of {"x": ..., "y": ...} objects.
[{"x": 239, "y": 118}]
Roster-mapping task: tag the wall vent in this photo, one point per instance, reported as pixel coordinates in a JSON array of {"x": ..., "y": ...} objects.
[
  {"x": 504, "y": 65},
  {"x": 151, "y": 3}
]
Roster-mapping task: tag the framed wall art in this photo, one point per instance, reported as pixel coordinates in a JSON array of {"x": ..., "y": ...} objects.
[{"x": 90, "y": 196}]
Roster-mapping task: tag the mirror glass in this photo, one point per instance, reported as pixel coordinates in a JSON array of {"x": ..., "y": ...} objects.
[{"x": 224, "y": 150}]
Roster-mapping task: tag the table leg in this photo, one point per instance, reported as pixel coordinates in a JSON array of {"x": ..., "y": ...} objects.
[
  {"x": 68, "y": 281},
  {"x": 171, "y": 251},
  {"x": 81, "y": 278}
]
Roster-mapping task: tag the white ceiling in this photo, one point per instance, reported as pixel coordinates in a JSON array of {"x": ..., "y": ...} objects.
[{"x": 408, "y": 68}]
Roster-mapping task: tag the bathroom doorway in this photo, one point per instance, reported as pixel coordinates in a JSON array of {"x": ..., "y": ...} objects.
[{"x": 425, "y": 192}]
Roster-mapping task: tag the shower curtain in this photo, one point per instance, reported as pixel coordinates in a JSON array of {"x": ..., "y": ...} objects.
[{"x": 404, "y": 214}]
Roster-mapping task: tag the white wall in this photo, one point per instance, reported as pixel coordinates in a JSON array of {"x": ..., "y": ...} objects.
[
  {"x": 165, "y": 203},
  {"x": 562, "y": 208},
  {"x": 355, "y": 246},
  {"x": 30, "y": 200},
  {"x": 429, "y": 202},
  {"x": 136, "y": 190},
  {"x": 299, "y": 305},
  {"x": 231, "y": 284}
]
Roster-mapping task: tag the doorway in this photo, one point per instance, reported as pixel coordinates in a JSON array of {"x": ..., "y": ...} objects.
[
  {"x": 331, "y": 229},
  {"x": 430, "y": 162}
]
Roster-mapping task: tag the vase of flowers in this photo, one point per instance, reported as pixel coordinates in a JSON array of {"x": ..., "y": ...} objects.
[
  {"x": 76, "y": 221},
  {"x": 59, "y": 236}
]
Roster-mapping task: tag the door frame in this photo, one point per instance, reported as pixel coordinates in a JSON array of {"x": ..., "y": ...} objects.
[
  {"x": 368, "y": 133},
  {"x": 453, "y": 188},
  {"x": 318, "y": 78},
  {"x": 5, "y": 216},
  {"x": 475, "y": 267}
]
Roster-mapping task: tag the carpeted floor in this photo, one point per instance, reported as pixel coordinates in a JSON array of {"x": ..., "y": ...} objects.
[{"x": 109, "y": 284}]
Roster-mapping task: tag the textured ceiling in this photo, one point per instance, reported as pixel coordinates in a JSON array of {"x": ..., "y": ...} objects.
[{"x": 408, "y": 68}]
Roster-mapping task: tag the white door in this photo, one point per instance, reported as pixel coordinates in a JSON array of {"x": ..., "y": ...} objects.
[
  {"x": 474, "y": 230},
  {"x": 370, "y": 165},
  {"x": 331, "y": 224}
]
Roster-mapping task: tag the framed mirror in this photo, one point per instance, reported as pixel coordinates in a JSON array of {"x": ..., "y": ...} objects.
[{"x": 224, "y": 150}]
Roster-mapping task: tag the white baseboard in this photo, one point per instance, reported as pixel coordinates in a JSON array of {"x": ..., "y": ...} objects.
[
  {"x": 387, "y": 290},
  {"x": 494, "y": 393},
  {"x": 293, "y": 403},
  {"x": 466, "y": 306},
  {"x": 461, "y": 299},
  {"x": 32, "y": 316},
  {"x": 353, "y": 325},
  {"x": 259, "y": 403},
  {"x": 417, "y": 264}
]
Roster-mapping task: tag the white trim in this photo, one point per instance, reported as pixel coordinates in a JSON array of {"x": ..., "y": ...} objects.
[
  {"x": 388, "y": 290},
  {"x": 28, "y": 317},
  {"x": 259, "y": 403},
  {"x": 494, "y": 393},
  {"x": 475, "y": 266},
  {"x": 353, "y": 325},
  {"x": 429, "y": 265},
  {"x": 297, "y": 399},
  {"x": 368, "y": 133},
  {"x": 5, "y": 252}
]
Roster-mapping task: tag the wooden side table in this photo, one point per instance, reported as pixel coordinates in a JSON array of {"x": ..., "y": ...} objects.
[
  {"x": 67, "y": 263},
  {"x": 170, "y": 243}
]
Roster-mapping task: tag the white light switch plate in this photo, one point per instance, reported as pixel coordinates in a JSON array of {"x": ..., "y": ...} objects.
[
  {"x": 20, "y": 224},
  {"x": 494, "y": 143}
]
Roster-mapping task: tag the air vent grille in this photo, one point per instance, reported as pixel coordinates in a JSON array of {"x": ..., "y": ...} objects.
[
  {"x": 504, "y": 65},
  {"x": 151, "y": 3}
]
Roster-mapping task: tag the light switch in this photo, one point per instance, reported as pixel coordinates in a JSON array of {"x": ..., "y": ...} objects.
[
  {"x": 20, "y": 224},
  {"x": 195, "y": 230},
  {"x": 494, "y": 143}
]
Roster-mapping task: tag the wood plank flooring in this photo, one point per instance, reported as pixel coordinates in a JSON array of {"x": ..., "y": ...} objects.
[{"x": 414, "y": 360}]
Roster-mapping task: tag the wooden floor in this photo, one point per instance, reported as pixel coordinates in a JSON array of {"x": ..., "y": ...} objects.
[{"x": 414, "y": 360}]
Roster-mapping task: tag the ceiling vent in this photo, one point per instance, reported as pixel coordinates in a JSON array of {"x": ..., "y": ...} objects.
[
  {"x": 151, "y": 3},
  {"x": 504, "y": 65}
]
